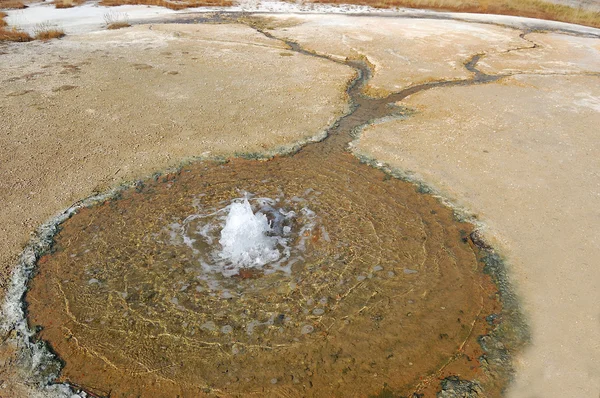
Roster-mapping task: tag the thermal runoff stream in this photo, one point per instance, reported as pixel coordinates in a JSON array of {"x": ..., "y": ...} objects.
[{"x": 310, "y": 274}]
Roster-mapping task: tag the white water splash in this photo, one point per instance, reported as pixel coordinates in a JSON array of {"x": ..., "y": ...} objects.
[
  {"x": 248, "y": 233},
  {"x": 246, "y": 238}
]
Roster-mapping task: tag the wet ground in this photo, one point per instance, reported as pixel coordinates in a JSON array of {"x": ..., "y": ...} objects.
[{"x": 388, "y": 296}]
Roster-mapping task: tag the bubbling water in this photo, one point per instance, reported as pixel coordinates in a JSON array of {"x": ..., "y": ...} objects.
[
  {"x": 257, "y": 234},
  {"x": 245, "y": 239}
]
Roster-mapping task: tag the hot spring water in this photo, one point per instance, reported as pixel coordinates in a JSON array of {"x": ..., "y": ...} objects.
[{"x": 332, "y": 273}]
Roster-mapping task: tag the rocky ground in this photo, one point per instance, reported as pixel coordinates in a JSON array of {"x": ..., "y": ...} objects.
[{"x": 88, "y": 112}]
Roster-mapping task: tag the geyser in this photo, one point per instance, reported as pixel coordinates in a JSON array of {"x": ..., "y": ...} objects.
[
  {"x": 251, "y": 234},
  {"x": 246, "y": 238}
]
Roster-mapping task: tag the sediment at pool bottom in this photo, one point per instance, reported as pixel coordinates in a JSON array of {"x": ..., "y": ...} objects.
[{"x": 387, "y": 296}]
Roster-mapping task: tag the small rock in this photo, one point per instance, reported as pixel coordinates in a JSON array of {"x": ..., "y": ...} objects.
[
  {"x": 227, "y": 329},
  {"x": 210, "y": 326},
  {"x": 306, "y": 329}
]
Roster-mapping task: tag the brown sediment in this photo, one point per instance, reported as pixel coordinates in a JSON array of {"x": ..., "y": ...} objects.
[{"x": 400, "y": 295}]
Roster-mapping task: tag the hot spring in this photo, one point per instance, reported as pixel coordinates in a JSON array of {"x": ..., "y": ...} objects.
[
  {"x": 306, "y": 275},
  {"x": 250, "y": 277}
]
